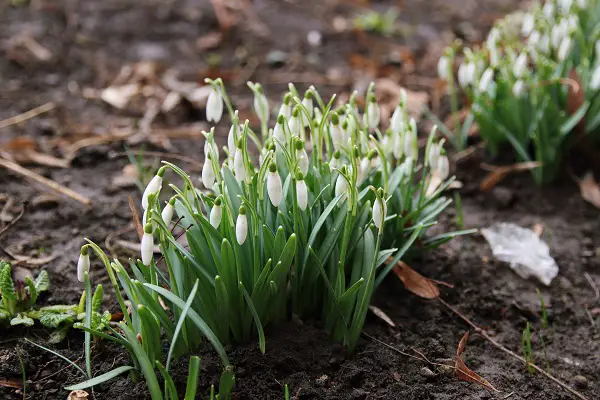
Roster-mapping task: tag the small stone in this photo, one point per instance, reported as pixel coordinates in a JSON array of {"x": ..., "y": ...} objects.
[
  {"x": 45, "y": 201},
  {"x": 277, "y": 58},
  {"x": 322, "y": 380},
  {"x": 427, "y": 373},
  {"x": 314, "y": 38},
  {"x": 503, "y": 196},
  {"x": 359, "y": 394},
  {"x": 581, "y": 381}
]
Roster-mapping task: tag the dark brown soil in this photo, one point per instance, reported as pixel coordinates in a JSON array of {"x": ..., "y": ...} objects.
[{"x": 91, "y": 40}]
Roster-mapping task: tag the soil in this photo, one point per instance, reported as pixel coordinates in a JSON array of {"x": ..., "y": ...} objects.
[{"x": 90, "y": 41}]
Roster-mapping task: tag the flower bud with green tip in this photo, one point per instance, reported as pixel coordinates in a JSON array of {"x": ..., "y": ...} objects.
[
  {"x": 167, "y": 212},
  {"x": 147, "y": 245},
  {"x": 274, "y": 187},
  {"x": 153, "y": 187},
  {"x": 83, "y": 264},
  {"x": 241, "y": 226},
  {"x": 216, "y": 213},
  {"x": 301, "y": 191}
]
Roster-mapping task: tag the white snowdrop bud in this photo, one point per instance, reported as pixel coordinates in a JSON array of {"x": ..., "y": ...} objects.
[
  {"x": 442, "y": 168},
  {"x": 398, "y": 145},
  {"x": 238, "y": 165},
  {"x": 274, "y": 187},
  {"x": 565, "y": 5},
  {"x": 341, "y": 186},
  {"x": 279, "y": 132},
  {"x": 528, "y": 24},
  {"x": 565, "y": 49},
  {"x": 410, "y": 143},
  {"x": 582, "y": 4},
  {"x": 534, "y": 39},
  {"x": 336, "y": 132},
  {"x": 464, "y": 76},
  {"x": 434, "y": 154},
  {"x": 147, "y": 245},
  {"x": 302, "y": 157},
  {"x": 286, "y": 106},
  {"x": 167, "y": 212},
  {"x": 518, "y": 88},
  {"x": 548, "y": 9},
  {"x": 295, "y": 123},
  {"x": 379, "y": 213},
  {"x": 444, "y": 68},
  {"x": 572, "y": 23},
  {"x": 485, "y": 80},
  {"x": 373, "y": 113},
  {"x": 307, "y": 102},
  {"x": 544, "y": 44},
  {"x": 301, "y": 192},
  {"x": 261, "y": 105},
  {"x": 363, "y": 168},
  {"x": 520, "y": 66},
  {"x": 83, "y": 264},
  {"x": 216, "y": 213},
  {"x": 214, "y": 106},
  {"x": 241, "y": 226},
  {"x": 153, "y": 187},
  {"x": 232, "y": 138},
  {"x": 207, "y": 149},
  {"x": 595, "y": 81},
  {"x": 494, "y": 57},
  {"x": 397, "y": 121},
  {"x": 208, "y": 174},
  {"x": 336, "y": 160}
]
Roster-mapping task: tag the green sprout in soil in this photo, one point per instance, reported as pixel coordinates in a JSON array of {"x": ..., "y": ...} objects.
[
  {"x": 534, "y": 85},
  {"x": 526, "y": 346},
  {"x": 18, "y": 305},
  {"x": 381, "y": 23}
]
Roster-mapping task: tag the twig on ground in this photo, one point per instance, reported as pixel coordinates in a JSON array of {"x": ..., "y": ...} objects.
[
  {"x": 511, "y": 353},
  {"x": 593, "y": 285},
  {"x": 17, "y": 119},
  {"x": 45, "y": 181},
  {"x": 14, "y": 220},
  {"x": 161, "y": 154},
  {"x": 136, "y": 218}
]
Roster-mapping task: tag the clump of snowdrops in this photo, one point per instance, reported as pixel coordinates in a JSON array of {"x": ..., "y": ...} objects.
[
  {"x": 534, "y": 83},
  {"x": 305, "y": 217}
]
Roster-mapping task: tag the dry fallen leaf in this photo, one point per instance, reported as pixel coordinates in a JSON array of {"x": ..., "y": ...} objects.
[
  {"x": 11, "y": 383},
  {"x": 78, "y": 395},
  {"x": 415, "y": 101},
  {"x": 416, "y": 282},
  {"x": 119, "y": 96},
  {"x": 590, "y": 191},
  {"x": 23, "y": 150},
  {"x": 497, "y": 174},
  {"x": 463, "y": 372},
  {"x": 126, "y": 178},
  {"x": 379, "y": 312},
  {"x": 575, "y": 97}
]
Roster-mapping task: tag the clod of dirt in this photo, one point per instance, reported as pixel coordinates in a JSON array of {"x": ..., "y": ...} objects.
[
  {"x": 503, "y": 196},
  {"x": 581, "y": 381},
  {"x": 427, "y": 373}
]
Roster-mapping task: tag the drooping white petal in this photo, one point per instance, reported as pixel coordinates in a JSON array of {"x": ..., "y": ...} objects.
[
  {"x": 528, "y": 24},
  {"x": 208, "y": 174},
  {"x": 279, "y": 134},
  {"x": 261, "y": 106},
  {"x": 207, "y": 149},
  {"x": 485, "y": 80},
  {"x": 302, "y": 194},
  {"x": 341, "y": 187},
  {"x": 444, "y": 68},
  {"x": 286, "y": 110},
  {"x": 379, "y": 213},
  {"x": 397, "y": 121},
  {"x": 518, "y": 88},
  {"x": 241, "y": 229},
  {"x": 147, "y": 248},
  {"x": 442, "y": 168},
  {"x": 308, "y": 103},
  {"x": 410, "y": 144},
  {"x": 520, "y": 66},
  {"x": 302, "y": 161},
  {"x": 231, "y": 139},
  {"x": 153, "y": 187},
  {"x": 374, "y": 115},
  {"x": 274, "y": 188},
  {"x": 214, "y": 106},
  {"x": 238, "y": 166},
  {"x": 595, "y": 81},
  {"x": 167, "y": 213},
  {"x": 83, "y": 266},
  {"x": 565, "y": 48},
  {"x": 363, "y": 169},
  {"x": 434, "y": 154},
  {"x": 216, "y": 213},
  {"x": 337, "y": 136}
]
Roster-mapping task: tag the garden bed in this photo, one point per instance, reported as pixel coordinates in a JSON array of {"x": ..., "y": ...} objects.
[{"x": 87, "y": 49}]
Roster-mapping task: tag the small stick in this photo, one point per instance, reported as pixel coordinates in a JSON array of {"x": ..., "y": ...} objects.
[
  {"x": 162, "y": 155},
  {"x": 14, "y": 220},
  {"x": 17, "y": 119},
  {"x": 511, "y": 353},
  {"x": 592, "y": 284},
  {"x": 45, "y": 181}
]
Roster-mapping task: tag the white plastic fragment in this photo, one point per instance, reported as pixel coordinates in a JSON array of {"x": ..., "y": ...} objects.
[{"x": 526, "y": 253}]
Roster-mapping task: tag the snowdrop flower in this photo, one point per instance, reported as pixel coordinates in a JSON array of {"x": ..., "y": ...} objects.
[
  {"x": 442, "y": 167},
  {"x": 558, "y": 33},
  {"x": 572, "y": 22},
  {"x": 494, "y": 57},
  {"x": 565, "y": 5},
  {"x": 379, "y": 212},
  {"x": 544, "y": 44},
  {"x": 520, "y": 66},
  {"x": 214, "y": 106},
  {"x": 295, "y": 123},
  {"x": 398, "y": 145},
  {"x": 307, "y": 102},
  {"x": 301, "y": 192},
  {"x": 302, "y": 157},
  {"x": 207, "y": 148},
  {"x": 232, "y": 138},
  {"x": 153, "y": 187},
  {"x": 241, "y": 226},
  {"x": 274, "y": 188},
  {"x": 595, "y": 81},
  {"x": 485, "y": 80},
  {"x": 238, "y": 165},
  {"x": 534, "y": 39},
  {"x": 410, "y": 141},
  {"x": 208, "y": 174},
  {"x": 528, "y": 24},
  {"x": 336, "y": 160},
  {"x": 216, "y": 213},
  {"x": 341, "y": 186},
  {"x": 336, "y": 132},
  {"x": 518, "y": 88},
  {"x": 434, "y": 154},
  {"x": 581, "y": 4},
  {"x": 318, "y": 116},
  {"x": 286, "y": 106},
  {"x": 444, "y": 68},
  {"x": 261, "y": 104},
  {"x": 363, "y": 168},
  {"x": 548, "y": 9},
  {"x": 373, "y": 112},
  {"x": 564, "y": 49},
  {"x": 83, "y": 264},
  {"x": 147, "y": 245},
  {"x": 279, "y": 132},
  {"x": 397, "y": 121},
  {"x": 167, "y": 212},
  {"x": 466, "y": 74}
]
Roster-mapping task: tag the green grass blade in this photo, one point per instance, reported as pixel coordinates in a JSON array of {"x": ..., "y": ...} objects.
[
  {"x": 170, "y": 390},
  {"x": 192, "y": 381},
  {"x": 146, "y": 365},
  {"x": 259, "y": 327},
  {"x": 100, "y": 378},
  {"x": 182, "y": 316},
  {"x": 58, "y": 355}
]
